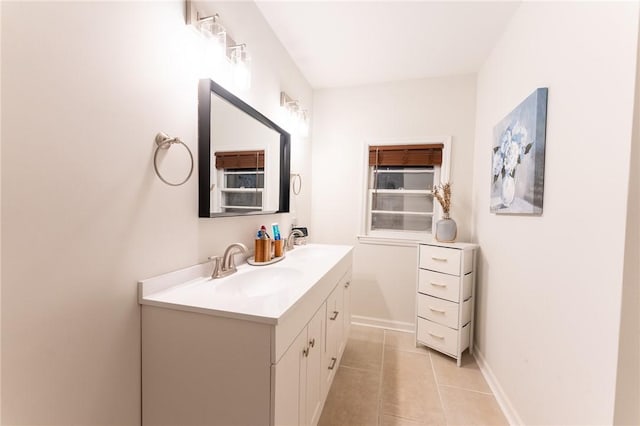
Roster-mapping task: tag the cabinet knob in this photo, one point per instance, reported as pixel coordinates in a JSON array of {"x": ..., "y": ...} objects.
[
  {"x": 305, "y": 352},
  {"x": 312, "y": 342},
  {"x": 347, "y": 284}
]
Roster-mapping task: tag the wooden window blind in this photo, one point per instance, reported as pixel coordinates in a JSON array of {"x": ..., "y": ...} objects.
[
  {"x": 406, "y": 155},
  {"x": 239, "y": 159}
]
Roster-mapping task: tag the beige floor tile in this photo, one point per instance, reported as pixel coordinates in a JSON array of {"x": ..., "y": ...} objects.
[
  {"x": 409, "y": 389},
  {"x": 463, "y": 407},
  {"x": 353, "y": 399},
  {"x": 403, "y": 364},
  {"x": 403, "y": 342},
  {"x": 467, "y": 376},
  {"x": 364, "y": 348},
  {"x": 385, "y": 380},
  {"x": 400, "y": 421},
  {"x": 369, "y": 334}
]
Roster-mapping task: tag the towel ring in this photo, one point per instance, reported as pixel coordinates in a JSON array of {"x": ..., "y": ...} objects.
[
  {"x": 164, "y": 142},
  {"x": 296, "y": 181}
]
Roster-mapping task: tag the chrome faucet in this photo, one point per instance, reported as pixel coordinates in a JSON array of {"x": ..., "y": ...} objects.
[
  {"x": 291, "y": 237},
  {"x": 225, "y": 265}
]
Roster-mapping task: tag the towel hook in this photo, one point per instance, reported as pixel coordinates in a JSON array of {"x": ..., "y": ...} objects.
[{"x": 164, "y": 142}]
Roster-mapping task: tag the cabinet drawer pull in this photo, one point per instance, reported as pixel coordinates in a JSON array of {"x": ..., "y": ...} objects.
[
  {"x": 437, "y": 336},
  {"x": 333, "y": 363},
  {"x": 312, "y": 342},
  {"x": 305, "y": 352},
  {"x": 437, "y": 284},
  {"x": 440, "y": 311},
  {"x": 347, "y": 284},
  {"x": 334, "y": 316},
  {"x": 439, "y": 259}
]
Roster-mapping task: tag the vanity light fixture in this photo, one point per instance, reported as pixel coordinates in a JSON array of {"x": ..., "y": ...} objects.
[
  {"x": 296, "y": 117},
  {"x": 224, "y": 59}
]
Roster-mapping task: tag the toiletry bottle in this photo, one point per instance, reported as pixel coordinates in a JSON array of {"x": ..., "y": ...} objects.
[
  {"x": 277, "y": 241},
  {"x": 261, "y": 247},
  {"x": 265, "y": 244}
]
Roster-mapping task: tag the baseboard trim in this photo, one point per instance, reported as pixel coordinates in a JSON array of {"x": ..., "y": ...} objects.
[
  {"x": 501, "y": 397},
  {"x": 383, "y": 323}
]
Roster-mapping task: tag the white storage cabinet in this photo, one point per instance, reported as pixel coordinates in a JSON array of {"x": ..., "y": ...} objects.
[{"x": 445, "y": 297}]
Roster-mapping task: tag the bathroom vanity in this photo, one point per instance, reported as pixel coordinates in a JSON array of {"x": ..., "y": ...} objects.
[{"x": 260, "y": 347}]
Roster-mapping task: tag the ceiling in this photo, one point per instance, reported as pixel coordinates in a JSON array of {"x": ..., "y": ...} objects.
[{"x": 348, "y": 43}]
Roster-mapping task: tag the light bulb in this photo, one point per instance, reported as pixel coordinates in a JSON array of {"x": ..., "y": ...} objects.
[
  {"x": 241, "y": 63},
  {"x": 215, "y": 47}
]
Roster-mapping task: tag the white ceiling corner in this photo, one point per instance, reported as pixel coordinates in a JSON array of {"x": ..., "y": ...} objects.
[{"x": 350, "y": 43}]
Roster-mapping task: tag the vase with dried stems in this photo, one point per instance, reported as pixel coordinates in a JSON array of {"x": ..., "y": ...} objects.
[{"x": 446, "y": 228}]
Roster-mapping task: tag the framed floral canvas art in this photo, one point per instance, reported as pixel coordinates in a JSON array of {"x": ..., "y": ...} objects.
[{"x": 518, "y": 158}]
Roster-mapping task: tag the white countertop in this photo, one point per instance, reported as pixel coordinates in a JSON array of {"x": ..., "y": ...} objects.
[{"x": 256, "y": 293}]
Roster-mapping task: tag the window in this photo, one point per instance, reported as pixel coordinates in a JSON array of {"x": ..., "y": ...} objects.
[
  {"x": 241, "y": 177},
  {"x": 399, "y": 198}
]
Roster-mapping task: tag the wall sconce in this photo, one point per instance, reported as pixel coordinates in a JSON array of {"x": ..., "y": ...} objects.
[
  {"x": 241, "y": 65},
  {"x": 214, "y": 34},
  {"x": 226, "y": 60},
  {"x": 297, "y": 118}
]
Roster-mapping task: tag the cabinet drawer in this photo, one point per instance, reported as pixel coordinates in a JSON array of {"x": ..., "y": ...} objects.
[
  {"x": 437, "y": 336},
  {"x": 441, "y": 259},
  {"x": 442, "y": 338},
  {"x": 438, "y": 310},
  {"x": 444, "y": 286},
  {"x": 442, "y": 311}
]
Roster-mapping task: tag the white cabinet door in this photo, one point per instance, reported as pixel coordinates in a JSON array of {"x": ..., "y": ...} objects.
[
  {"x": 289, "y": 381},
  {"x": 346, "y": 309},
  {"x": 313, "y": 391},
  {"x": 298, "y": 375},
  {"x": 333, "y": 337}
]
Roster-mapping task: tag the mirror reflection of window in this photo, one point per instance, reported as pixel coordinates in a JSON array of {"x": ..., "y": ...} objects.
[{"x": 241, "y": 177}]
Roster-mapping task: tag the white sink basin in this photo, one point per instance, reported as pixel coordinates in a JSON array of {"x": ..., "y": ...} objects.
[
  {"x": 258, "y": 282},
  {"x": 313, "y": 252}
]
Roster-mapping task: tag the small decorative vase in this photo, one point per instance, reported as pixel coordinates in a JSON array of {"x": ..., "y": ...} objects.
[
  {"x": 508, "y": 190},
  {"x": 446, "y": 229}
]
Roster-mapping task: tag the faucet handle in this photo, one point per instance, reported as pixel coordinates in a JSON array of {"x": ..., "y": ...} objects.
[{"x": 216, "y": 265}]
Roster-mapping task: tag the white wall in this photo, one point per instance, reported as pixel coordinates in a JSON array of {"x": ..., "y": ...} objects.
[
  {"x": 345, "y": 120},
  {"x": 550, "y": 287},
  {"x": 627, "y": 409},
  {"x": 86, "y": 86}
]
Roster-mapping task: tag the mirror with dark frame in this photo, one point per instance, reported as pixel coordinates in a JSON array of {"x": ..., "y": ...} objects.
[{"x": 243, "y": 157}]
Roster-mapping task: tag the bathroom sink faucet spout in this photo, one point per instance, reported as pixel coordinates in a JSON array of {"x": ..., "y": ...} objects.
[
  {"x": 227, "y": 266},
  {"x": 291, "y": 237}
]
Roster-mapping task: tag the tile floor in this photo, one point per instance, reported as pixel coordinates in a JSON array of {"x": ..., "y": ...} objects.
[{"x": 384, "y": 380}]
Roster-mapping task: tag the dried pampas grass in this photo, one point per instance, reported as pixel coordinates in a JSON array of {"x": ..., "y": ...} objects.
[{"x": 442, "y": 193}]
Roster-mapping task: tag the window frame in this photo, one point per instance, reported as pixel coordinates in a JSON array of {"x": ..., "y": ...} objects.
[
  {"x": 389, "y": 237},
  {"x": 222, "y": 189},
  {"x": 219, "y": 185}
]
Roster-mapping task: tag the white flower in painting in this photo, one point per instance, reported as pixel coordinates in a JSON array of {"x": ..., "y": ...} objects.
[
  {"x": 505, "y": 141},
  {"x": 511, "y": 157},
  {"x": 519, "y": 133},
  {"x": 498, "y": 163}
]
